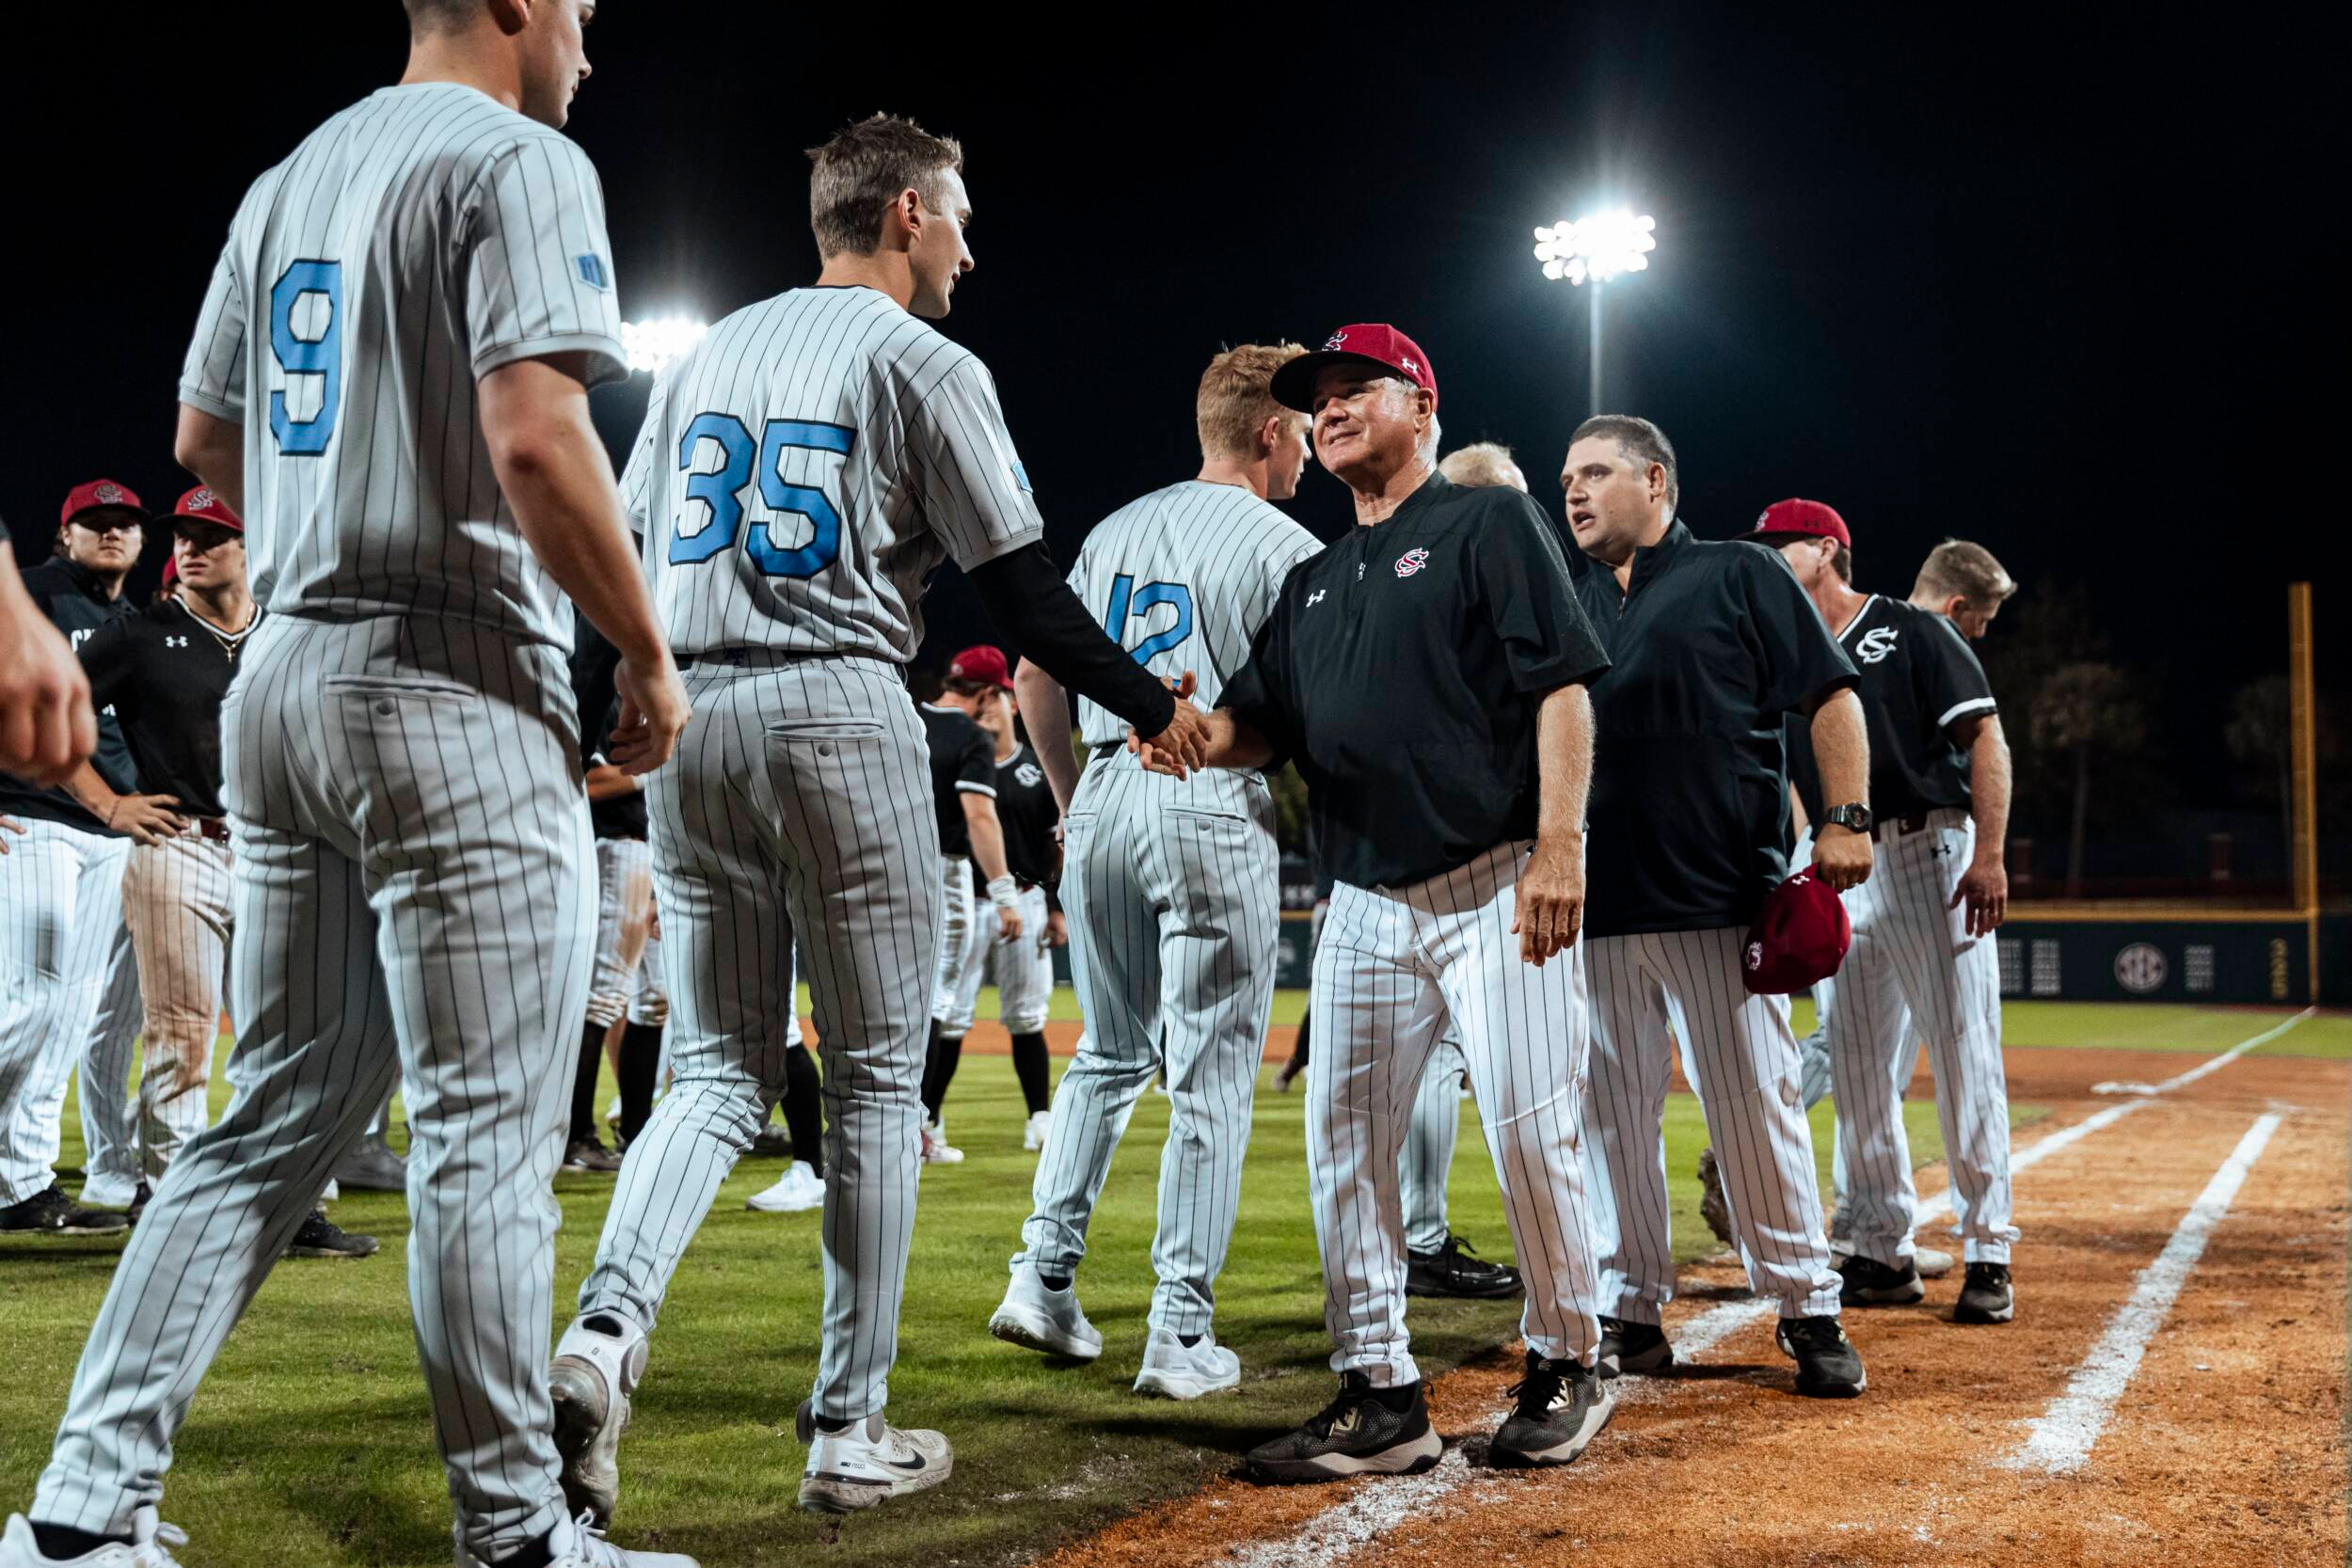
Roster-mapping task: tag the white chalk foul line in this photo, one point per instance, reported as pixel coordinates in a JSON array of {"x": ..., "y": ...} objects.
[
  {"x": 2214, "y": 1064},
  {"x": 2061, "y": 1437},
  {"x": 1375, "y": 1510}
]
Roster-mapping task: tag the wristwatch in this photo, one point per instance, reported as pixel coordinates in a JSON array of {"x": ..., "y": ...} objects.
[{"x": 1854, "y": 819}]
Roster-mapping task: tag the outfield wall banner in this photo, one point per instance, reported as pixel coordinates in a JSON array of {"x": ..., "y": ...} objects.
[{"x": 2238, "y": 961}]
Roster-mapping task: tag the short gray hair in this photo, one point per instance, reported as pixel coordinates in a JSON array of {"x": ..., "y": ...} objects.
[
  {"x": 1641, "y": 442},
  {"x": 1480, "y": 463},
  {"x": 861, "y": 172}
]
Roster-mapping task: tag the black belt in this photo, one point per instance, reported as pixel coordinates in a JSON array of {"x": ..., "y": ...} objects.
[
  {"x": 760, "y": 658},
  {"x": 1108, "y": 750},
  {"x": 1899, "y": 827}
]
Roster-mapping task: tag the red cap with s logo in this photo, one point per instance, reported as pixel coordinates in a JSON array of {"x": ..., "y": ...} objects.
[{"x": 1367, "y": 343}]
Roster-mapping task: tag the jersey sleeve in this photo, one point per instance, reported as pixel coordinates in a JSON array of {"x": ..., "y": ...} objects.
[
  {"x": 973, "y": 490},
  {"x": 107, "y": 659},
  {"x": 1798, "y": 663},
  {"x": 211, "y": 378},
  {"x": 975, "y": 766},
  {"x": 1950, "y": 681},
  {"x": 1522, "y": 581},
  {"x": 534, "y": 264},
  {"x": 1261, "y": 693}
]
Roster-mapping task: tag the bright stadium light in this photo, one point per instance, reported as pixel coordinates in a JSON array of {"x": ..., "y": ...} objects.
[
  {"x": 652, "y": 344},
  {"x": 1593, "y": 250}
]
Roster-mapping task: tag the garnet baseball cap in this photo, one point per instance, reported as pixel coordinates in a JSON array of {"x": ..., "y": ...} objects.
[
  {"x": 171, "y": 571},
  {"x": 1364, "y": 343},
  {"x": 99, "y": 493},
  {"x": 1801, "y": 519},
  {"x": 1798, "y": 940},
  {"x": 982, "y": 663},
  {"x": 200, "y": 505}
]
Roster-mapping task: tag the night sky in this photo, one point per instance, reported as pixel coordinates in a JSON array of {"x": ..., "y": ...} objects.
[{"x": 2050, "y": 290}]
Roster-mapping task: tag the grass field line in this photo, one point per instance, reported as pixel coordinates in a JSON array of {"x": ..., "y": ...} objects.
[
  {"x": 2061, "y": 1437},
  {"x": 1385, "y": 1505},
  {"x": 2211, "y": 1065}
]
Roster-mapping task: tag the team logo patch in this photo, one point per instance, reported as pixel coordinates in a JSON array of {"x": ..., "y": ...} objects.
[
  {"x": 1761, "y": 518},
  {"x": 1336, "y": 339},
  {"x": 1876, "y": 644},
  {"x": 1030, "y": 775},
  {"x": 202, "y": 500},
  {"x": 1756, "y": 955},
  {"x": 592, "y": 270},
  {"x": 1411, "y": 561},
  {"x": 1021, "y": 476},
  {"x": 107, "y": 495}
]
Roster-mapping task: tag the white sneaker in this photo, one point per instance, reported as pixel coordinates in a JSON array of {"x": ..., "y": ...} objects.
[
  {"x": 110, "y": 1191},
  {"x": 1038, "y": 1318},
  {"x": 935, "y": 1148},
  {"x": 1931, "y": 1263},
  {"x": 151, "y": 1546},
  {"x": 577, "y": 1544},
  {"x": 613, "y": 1113},
  {"x": 869, "y": 1463},
  {"x": 1179, "y": 1374},
  {"x": 802, "y": 1189},
  {"x": 1033, "y": 1134},
  {"x": 591, "y": 1379}
]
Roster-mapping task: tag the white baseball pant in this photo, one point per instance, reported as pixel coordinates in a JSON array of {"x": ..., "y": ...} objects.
[
  {"x": 1743, "y": 1062},
  {"x": 1428, "y": 1153},
  {"x": 624, "y": 923},
  {"x": 60, "y": 906},
  {"x": 966, "y": 927},
  {"x": 110, "y": 1122},
  {"x": 798, "y": 801},
  {"x": 411, "y": 896},
  {"x": 1022, "y": 968},
  {"x": 1914, "y": 973},
  {"x": 176, "y": 899},
  {"x": 1172, "y": 893},
  {"x": 1395, "y": 965}
]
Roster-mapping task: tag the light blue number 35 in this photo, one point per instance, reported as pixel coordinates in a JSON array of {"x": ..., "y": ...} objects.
[{"x": 721, "y": 491}]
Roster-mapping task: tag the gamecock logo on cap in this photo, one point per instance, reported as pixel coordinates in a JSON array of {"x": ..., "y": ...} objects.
[
  {"x": 107, "y": 495},
  {"x": 1411, "y": 561},
  {"x": 1756, "y": 955},
  {"x": 202, "y": 500}
]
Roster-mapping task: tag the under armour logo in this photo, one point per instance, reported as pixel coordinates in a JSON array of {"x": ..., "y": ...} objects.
[
  {"x": 1316, "y": 597},
  {"x": 1875, "y": 644},
  {"x": 1407, "y": 361},
  {"x": 175, "y": 642}
]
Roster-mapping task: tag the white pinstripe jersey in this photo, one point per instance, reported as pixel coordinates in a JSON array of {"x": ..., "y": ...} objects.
[
  {"x": 419, "y": 240},
  {"x": 1183, "y": 579},
  {"x": 808, "y": 465}
]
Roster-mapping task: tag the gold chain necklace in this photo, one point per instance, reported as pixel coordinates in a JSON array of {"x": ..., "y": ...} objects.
[{"x": 228, "y": 641}]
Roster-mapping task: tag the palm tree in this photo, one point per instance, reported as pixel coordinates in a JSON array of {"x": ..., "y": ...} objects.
[{"x": 2086, "y": 711}]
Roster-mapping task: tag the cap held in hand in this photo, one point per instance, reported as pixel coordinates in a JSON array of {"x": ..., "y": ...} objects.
[{"x": 1799, "y": 938}]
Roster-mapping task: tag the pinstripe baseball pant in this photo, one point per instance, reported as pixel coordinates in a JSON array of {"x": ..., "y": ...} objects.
[
  {"x": 176, "y": 901},
  {"x": 1022, "y": 968},
  {"x": 1393, "y": 966},
  {"x": 110, "y": 1121},
  {"x": 1742, "y": 1060},
  {"x": 626, "y": 979},
  {"x": 1914, "y": 973},
  {"x": 799, "y": 799},
  {"x": 60, "y": 904},
  {"x": 966, "y": 931},
  {"x": 1172, "y": 891},
  {"x": 411, "y": 896},
  {"x": 1429, "y": 1152}
]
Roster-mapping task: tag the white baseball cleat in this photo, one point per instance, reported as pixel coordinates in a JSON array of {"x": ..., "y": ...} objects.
[
  {"x": 1171, "y": 1369},
  {"x": 866, "y": 1463},
  {"x": 151, "y": 1545},
  {"x": 936, "y": 1151},
  {"x": 1931, "y": 1263},
  {"x": 101, "y": 1192},
  {"x": 578, "y": 1543},
  {"x": 594, "y": 1372},
  {"x": 801, "y": 1190},
  {"x": 1038, "y": 1318},
  {"x": 1033, "y": 1134}
]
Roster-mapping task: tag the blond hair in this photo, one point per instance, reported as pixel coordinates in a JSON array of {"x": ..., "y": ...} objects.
[
  {"x": 859, "y": 173},
  {"x": 1481, "y": 463},
  {"x": 1958, "y": 567},
  {"x": 1234, "y": 403}
]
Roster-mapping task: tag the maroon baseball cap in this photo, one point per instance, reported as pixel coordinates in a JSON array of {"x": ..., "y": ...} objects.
[
  {"x": 1800, "y": 939},
  {"x": 200, "y": 505},
  {"x": 982, "y": 663},
  {"x": 100, "y": 493},
  {"x": 1364, "y": 343},
  {"x": 1801, "y": 519}
]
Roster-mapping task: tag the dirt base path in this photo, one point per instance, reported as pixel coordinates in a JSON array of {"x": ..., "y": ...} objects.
[{"x": 2226, "y": 1447}]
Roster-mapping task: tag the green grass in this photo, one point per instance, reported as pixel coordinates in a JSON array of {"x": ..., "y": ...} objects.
[
  {"x": 2172, "y": 1026},
  {"x": 310, "y": 1442}
]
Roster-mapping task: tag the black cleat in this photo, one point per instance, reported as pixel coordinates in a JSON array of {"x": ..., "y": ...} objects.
[
  {"x": 1632, "y": 1348},
  {"x": 1828, "y": 1366},
  {"x": 1456, "y": 1270},
  {"x": 1871, "y": 1283},
  {"x": 50, "y": 1213},
  {"x": 139, "y": 1200},
  {"x": 589, "y": 1154},
  {"x": 1986, "y": 1296},
  {"x": 1356, "y": 1435},
  {"x": 1712, "y": 1207},
  {"x": 321, "y": 1237},
  {"x": 1561, "y": 1408}
]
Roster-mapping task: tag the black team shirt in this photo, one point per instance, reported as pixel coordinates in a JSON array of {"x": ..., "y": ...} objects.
[
  {"x": 1919, "y": 677},
  {"x": 963, "y": 762},
  {"x": 165, "y": 670},
  {"x": 1402, "y": 668},
  {"x": 77, "y": 605},
  {"x": 1025, "y": 804},
  {"x": 1712, "y": 644},
  {"x": 596, "y": 663}
]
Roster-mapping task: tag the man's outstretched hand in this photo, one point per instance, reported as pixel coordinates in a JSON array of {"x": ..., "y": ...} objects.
[{"x": 1185, "y": 744}]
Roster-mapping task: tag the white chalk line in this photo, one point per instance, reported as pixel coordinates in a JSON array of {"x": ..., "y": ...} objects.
[
  {"x": 2214, "y": 1064},
  {"x": 1374, "y": 1509},
  {"x": 2061, "y": 1437}
]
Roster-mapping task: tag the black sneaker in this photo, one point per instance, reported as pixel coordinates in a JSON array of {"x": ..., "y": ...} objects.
[
  {"x": 1456, "y": 1270},
  {"x": 1828, "y": 1366},
  {"x": 1634, "y": 1348},
  {"x": 1561, "y": 1408},
  {"x": 321, "y": 1237},
  {"x": 1986, "y": 1296},
  {"x": 589, "y": 1154},
  {"x": 1356, "y": 1435},
  {"x": 1712, "y": 1207},
  {"x": 50, "y": 1213},
  {"x": 139, "y": 1200},
  {"x": 1871, "y": 1283}
]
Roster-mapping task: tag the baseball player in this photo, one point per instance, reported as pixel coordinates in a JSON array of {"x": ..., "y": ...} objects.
[
  {"x": 1712, "y": 644},
  {"x": 1023, "y": 967},
  {"x": 411, "y": 885},
  {"x": 791, "y": 584},
  {"x": 1923, "y": 964},
  {"x": 963, "y": 792},
  {"x": 65, "y": 987},
  {"x": 1427, "y": 673},
  {"x": 1172, "y": 890}
]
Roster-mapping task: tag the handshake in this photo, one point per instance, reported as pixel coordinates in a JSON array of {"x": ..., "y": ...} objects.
[{"x": 1187, "y": 741}]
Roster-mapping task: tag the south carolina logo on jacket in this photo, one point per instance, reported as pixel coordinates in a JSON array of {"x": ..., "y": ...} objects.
[{"x": 1411, "y": 561}]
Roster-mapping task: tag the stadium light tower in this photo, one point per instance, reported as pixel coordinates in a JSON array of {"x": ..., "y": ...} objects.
[
  {"x": 1593, "y": 250},
  {"x": 652, "y": 344}
]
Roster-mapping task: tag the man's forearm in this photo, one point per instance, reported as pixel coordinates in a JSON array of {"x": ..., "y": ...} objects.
[
  {"x": 1042, "y": 619},
  {"x": 1563, "y": 763},
  {"x": 213, "y": 449},
  {"x": 1235, "y": 743},
  {"x": 1841, "y": 748},
  {"x": 1989, "y": 790},
  {"x": 988, "y": 843},
  {"x": 96, "y": 795},
  {"x": 1045, "y": 710}
]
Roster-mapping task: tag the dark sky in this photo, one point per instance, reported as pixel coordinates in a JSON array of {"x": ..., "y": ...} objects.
[{"x": 2050, "y": 290}]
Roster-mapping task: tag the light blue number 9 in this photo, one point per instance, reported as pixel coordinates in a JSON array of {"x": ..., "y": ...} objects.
[{"x": 321, "y": 356}]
